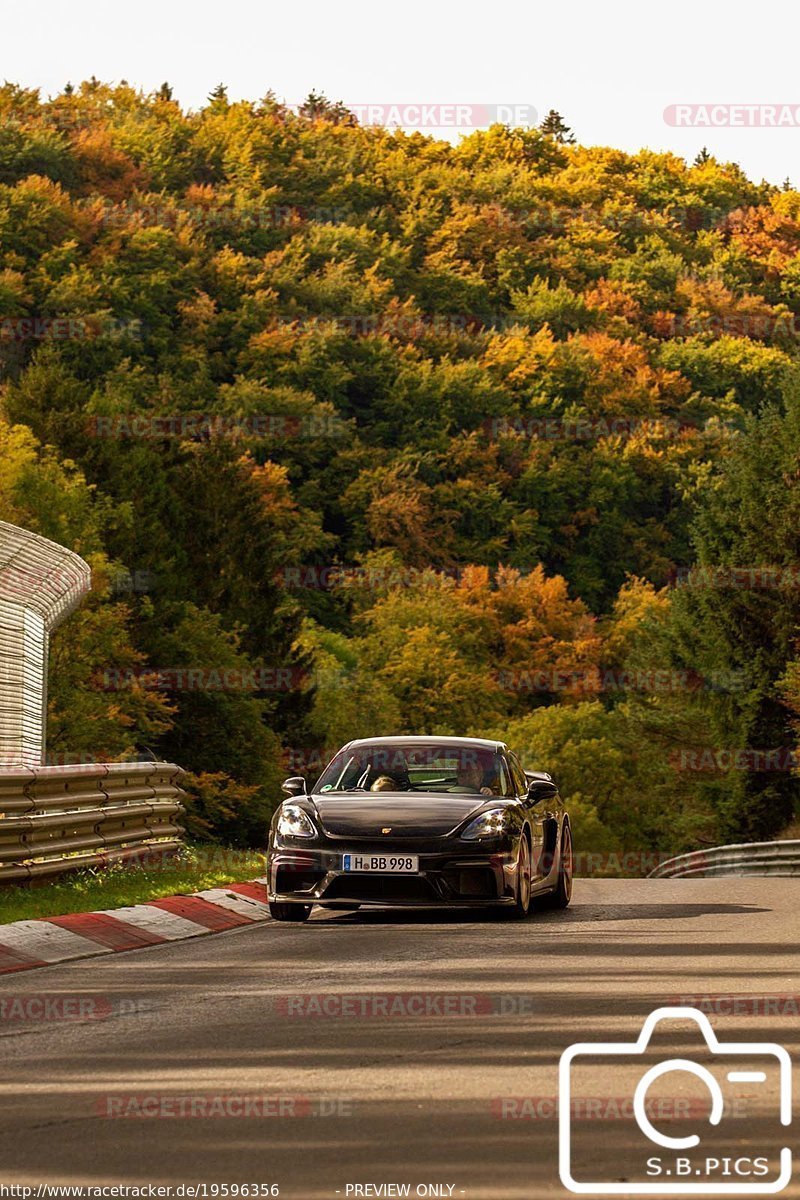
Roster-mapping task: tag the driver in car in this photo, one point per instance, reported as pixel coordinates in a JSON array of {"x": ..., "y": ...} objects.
[{"x": 470, "y": 775}]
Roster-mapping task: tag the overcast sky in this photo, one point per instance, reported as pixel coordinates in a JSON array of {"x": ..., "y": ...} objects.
[{"x": 610, "y": 68}]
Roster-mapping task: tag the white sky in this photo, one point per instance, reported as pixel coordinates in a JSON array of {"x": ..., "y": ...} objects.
[{"x": 610, "y": 68}]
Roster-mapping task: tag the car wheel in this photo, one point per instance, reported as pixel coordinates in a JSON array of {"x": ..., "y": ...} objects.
[
  {"x": 562, "y": 893},
  {"x": 289, "y": 912},
  {"x": 522, "y": 900}
]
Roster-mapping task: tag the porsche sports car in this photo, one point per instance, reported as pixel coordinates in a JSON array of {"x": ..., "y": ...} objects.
[{"x": 423, "y": 821}]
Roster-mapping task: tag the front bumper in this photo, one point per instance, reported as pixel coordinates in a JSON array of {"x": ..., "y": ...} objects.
[{"x": 455, "y": 877}]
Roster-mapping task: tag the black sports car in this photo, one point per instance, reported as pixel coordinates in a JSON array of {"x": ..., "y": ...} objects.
[{"x": 420, "y": 821}]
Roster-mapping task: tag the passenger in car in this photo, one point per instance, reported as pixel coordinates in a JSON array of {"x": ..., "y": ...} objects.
[{"x": 384, "y": 783}]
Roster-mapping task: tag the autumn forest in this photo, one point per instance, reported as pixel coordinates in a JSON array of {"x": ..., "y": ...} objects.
[{"x": 364, "y": 432}]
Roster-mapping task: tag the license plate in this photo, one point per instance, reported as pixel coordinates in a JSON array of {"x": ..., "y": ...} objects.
[{"x": 382, "y": 864}]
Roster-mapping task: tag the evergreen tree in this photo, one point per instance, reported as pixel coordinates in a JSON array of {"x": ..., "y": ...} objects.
[
  {"x": 218, "y": 98},
  {"x": 553, "y": 126},
  {"x": 317, "y": 107},
  {"x": 735, "y": 620}
]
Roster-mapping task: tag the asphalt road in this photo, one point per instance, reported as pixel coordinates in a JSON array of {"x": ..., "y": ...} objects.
[{"x": 437, "y": 1061}]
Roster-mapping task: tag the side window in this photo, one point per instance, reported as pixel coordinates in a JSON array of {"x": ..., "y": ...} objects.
[
  {"x": 518, "y": 775},
  {"x": 503, "y": 780}
]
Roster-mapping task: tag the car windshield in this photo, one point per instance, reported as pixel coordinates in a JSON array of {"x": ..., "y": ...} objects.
[{"x": 403, "y": 766}]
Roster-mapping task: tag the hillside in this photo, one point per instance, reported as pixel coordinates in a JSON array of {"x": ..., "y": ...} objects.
[{"x": 365, "y": 432}]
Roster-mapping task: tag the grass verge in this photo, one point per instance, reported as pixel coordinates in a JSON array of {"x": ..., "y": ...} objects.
[{"x": 197, "y": 867}]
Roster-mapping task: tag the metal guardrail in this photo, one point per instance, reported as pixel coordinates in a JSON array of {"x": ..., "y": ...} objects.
[
  {"x": 59, "y": 819},
  {"x": 747, "y": 858}
]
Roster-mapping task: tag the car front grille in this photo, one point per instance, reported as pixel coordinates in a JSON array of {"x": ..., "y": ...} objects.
[{"x": 388, "y": 888}]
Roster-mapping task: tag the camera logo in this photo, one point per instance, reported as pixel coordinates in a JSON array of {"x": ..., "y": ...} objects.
[{"x": 754, "y": 1074}]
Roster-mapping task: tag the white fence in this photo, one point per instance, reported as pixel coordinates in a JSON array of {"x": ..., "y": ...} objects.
[{"x": 40, "y": 584}]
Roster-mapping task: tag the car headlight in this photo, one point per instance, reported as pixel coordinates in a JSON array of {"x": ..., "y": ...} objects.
[
  {"x": 294, "y": 821},
  {"x": 489, "y": 824}
]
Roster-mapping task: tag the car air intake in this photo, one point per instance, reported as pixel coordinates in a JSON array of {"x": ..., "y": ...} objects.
[{"x": 380, "y": 887}]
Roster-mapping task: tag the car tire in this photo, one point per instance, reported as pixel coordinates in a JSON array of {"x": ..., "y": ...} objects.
[
  {"x": 280, "y": 911},
  {"x": 562, "y": 892},
  {"x": 522, "y": 900}
]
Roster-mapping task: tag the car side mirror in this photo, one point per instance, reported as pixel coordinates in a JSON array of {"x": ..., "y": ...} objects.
[
  {"x": 541, "y": 789},
  {"x": 295, "y": 785}
]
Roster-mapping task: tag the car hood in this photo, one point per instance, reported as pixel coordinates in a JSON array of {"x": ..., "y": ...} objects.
[{"x": 423, "y": 814}]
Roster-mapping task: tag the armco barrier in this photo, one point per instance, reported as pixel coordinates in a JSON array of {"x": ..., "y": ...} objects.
[
  {"x": 59, "y": 819},
  {"x": 748, "y": 858}
]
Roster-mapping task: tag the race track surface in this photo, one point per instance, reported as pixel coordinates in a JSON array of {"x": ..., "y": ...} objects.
[{"x": 390, "y": 1047}]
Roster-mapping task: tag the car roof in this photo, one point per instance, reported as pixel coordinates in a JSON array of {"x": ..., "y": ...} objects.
[{"x": 416, "y": 739}]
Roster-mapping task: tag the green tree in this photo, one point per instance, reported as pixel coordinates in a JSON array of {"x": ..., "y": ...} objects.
[
  {"x": 554, "y": 126},
  {"x": 734, "y": 621}
]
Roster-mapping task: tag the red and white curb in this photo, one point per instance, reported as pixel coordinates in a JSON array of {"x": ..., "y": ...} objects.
[{"x": 41, "y": 942}]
